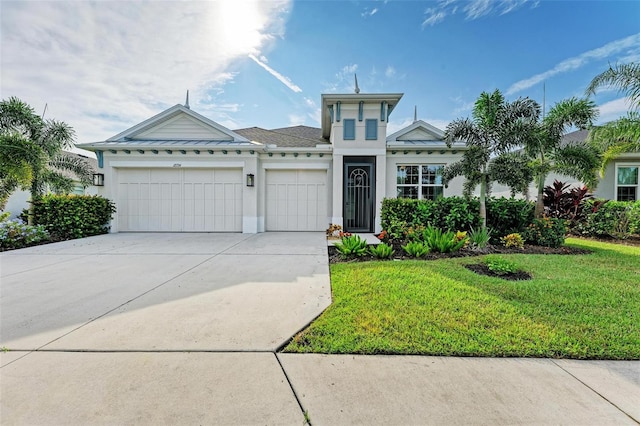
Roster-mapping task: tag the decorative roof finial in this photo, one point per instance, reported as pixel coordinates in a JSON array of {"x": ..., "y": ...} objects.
[
  {"x": 415, "y": 113},
  {"x": 186, "y": 103},
  {"x": 357, "y": 88}
]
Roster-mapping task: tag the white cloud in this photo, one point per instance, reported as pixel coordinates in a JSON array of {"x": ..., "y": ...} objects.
[
  {"x": 390, "y": 71},
  {"x": 613, "y": 110},
  {"x": 369, "y": 12},
  {"x": 473, "y": 9},
  {"x": 570, "y": 64},
  {"x": 104, "y": 66},
  {"x": 296, "y": 119},
  {"x": 284, "y": 80},
  {"x": 344, "y": 80}
]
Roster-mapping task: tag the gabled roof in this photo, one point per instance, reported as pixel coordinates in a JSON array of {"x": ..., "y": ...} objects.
[
  {"x": 417, "y": 131},
  {"x": 306, "y": 132},
  {"x": 209, "y": 128},
  {"x": 573, "y": 137},
  {"x": 287, "y": 137}
]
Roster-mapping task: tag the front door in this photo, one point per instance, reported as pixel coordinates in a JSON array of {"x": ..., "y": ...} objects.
[{"x": 359, "y": 194}]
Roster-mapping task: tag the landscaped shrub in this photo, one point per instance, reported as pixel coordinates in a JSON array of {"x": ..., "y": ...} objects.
[
  {"x": 500, "y": 266},
  {"x": 513, "y": 240},
  {"x": 16, "y": 234},
  {"x": 504, "y": 215},
  {"x": 547, "y": 232},
  {"x": 617, "y": 219},
  {"x": 352, "y": 246},
  {"x": 442, "y": 242},
  {"x": 562, "y": 201},
  {"x": 509, "y": 215},
  {"x": 381, "y": 251},
  {"x": 479, "y": 238},
  {"x": 416, "y": 249},
  {"x": 74, "y": 216}
]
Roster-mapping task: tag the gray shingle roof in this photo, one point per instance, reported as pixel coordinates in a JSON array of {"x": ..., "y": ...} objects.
[
  {"x": 577, "y": 136},
  {"x": 288, "y": 137}
]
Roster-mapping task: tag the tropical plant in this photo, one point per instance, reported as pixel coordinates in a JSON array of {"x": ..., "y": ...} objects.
[
  {"x": 497, "y": 126},
  {"x": 381, "y": 251},
  {"x": 416, "y": 249},
  {"x": 513, "y": 240},
  {"x": 622, "y": 135},
  {"x": 479, "y": 238},
  {"x": 500, "y": 266},
  {"x": 33, "y": 152},
  {"x": 624, "y": 77},
  {"x": 563, "y": 201},
  {"x": 546, "y": 232},
  {"x": 352, "y": 246},
  {"x": 442, "y": 242},
  {"x": 548, "y": 153},
  {"x": 16, "y": 234}
]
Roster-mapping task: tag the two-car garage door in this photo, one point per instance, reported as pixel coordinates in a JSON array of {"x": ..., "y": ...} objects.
[
  {"x": 180, "y": 200},
  {"x": 210, "y": 200}
]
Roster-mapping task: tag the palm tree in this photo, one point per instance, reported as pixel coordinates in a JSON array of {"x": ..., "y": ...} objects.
[
  {"x": 624, "y": 77},
  {"x": 496, "y": 128},
  {"x": 622, "y": 135},
  {"x": 33, "y": 152},
  {"x": 548, "y": 154}
]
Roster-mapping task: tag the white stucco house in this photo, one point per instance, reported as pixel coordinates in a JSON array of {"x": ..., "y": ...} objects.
[{"x": 181, "y": 172}]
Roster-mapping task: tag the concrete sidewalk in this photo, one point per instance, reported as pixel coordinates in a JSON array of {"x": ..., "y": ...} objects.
[{"x": 182, "y": 329}]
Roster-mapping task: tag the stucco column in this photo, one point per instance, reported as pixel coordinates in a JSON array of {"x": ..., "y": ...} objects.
[
  {"x": 250, "y": 196},
  {"x": 336, "y": 208}
]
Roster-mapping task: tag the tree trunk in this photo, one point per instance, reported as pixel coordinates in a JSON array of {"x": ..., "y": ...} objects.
[
  {"x": 539, "y": 211},
  {"x": 483, "y": 201}
]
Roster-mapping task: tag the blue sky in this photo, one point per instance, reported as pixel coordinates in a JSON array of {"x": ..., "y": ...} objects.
[{"x": 105, "y": 66}]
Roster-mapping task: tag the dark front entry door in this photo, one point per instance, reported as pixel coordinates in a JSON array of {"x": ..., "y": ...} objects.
[{"x": 359, "y": 194}]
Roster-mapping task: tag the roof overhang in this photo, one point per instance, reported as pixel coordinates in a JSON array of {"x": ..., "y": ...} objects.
[{"x": 391, "y": 99}]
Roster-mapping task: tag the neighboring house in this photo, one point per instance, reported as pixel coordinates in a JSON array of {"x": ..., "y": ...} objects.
[
  {"x": 19, "y": 200},
  {"x": 621, "y": 176},
  {"x": 181, "y": 172}
]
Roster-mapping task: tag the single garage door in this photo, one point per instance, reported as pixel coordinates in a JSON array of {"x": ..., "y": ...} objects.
[
  {"x": 180, "y": 200},
  {"x": 296, "y": 200}
]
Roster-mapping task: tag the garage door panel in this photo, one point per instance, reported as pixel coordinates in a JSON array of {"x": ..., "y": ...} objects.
[
  {"x": 296, "y": 200},
  {"x": 191, "y": 200}
]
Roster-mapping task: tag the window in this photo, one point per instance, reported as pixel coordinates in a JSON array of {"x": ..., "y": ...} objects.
[
  {"x": 420, "y": 181},
  {"x": 371, "y": 130},
  {"x": 349, "y": 129},
  {"x": 627, "y": 183}
]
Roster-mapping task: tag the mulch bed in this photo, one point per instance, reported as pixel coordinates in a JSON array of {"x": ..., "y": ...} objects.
[
  {"x": 482, "y": 269},
  {"x": 336, "y": 257}
]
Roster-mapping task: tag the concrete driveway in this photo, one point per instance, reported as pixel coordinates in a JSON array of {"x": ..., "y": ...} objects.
[
  {"x": 182, "y": 329},
  {"x": 137, "y": 292}
]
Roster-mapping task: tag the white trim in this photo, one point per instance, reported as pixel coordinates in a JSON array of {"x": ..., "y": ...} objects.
[
  {"x": 615, "y": 180},
  {"x": 360, "y": 152},
  {"x": 296, "y": 166},
  {"x": 182, "y": 164},
  {"x": 416, "y": 124}
]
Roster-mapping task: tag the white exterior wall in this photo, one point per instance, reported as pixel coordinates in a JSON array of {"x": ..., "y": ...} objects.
[{"x": 399, "y": 158}]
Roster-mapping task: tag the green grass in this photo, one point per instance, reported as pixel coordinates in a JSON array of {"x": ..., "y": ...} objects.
[{"x": 576, "y": 306}]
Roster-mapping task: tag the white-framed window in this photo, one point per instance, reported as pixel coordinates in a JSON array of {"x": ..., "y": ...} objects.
[
  {"x": 419, "y": 181},
  {"x": 371, "y": 129},
  {"x": 627, "y": 183},
  {"x": 349, "y": 129}
]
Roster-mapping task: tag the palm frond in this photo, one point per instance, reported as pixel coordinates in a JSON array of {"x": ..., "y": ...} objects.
[
  {"x": 76, "y": 165},
  {"x": 624, "y": 77},
  {"x": 568, "y": 113},
  {"x": 580, "y": 161}
]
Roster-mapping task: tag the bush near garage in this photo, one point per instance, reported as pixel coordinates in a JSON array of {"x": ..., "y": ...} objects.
[{"x": 74, "y": 216}]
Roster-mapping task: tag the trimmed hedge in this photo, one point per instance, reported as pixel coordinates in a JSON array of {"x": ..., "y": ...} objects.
[
  {"x": 74, "y": 216},
  {"x": 504, "y": 215},
  {"x": 602, "y": 218}
]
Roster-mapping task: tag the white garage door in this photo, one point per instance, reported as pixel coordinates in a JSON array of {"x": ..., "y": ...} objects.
[
  {"x": 296, "y": 200},
  {"x": 182, "y": 200}
]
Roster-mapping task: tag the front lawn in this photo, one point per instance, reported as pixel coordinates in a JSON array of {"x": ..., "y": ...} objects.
[{"x": 576, "y": 306}]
